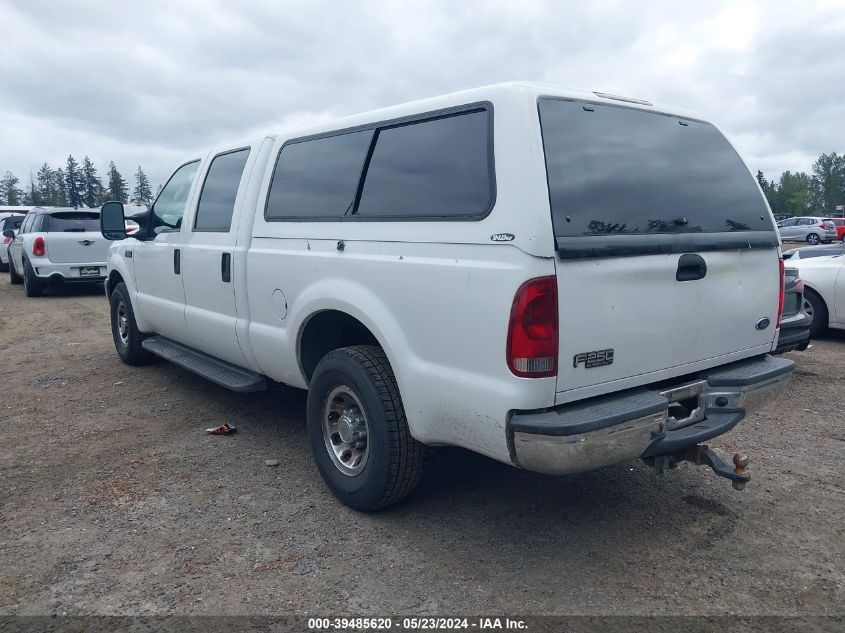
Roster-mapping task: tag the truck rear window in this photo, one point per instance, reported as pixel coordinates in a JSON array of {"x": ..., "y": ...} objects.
[
  {"x": 619, "y": 171},
  {"x": 72, "y": 221}
]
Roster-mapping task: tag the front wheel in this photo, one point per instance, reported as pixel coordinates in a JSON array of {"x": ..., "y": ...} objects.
[
  {"x": 33, "y": 287},
  {"x": 358, "y": 431},
  {"x": 815, "y": 307},
  {"x": 14, "y": 278},
  {"x": 813, "y": 239},
  {"x": 127, "y": 337}
]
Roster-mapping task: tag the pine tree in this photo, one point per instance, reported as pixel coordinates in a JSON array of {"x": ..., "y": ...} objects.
[
  {"x": 142, "y": 194},
  {"x": 46, "y": 180},
  {"x": 92, "y": 186},
  {"x": 74, "y": 183},
  {"x": 33, "y": 196},
  {"x": 10, "y": 193},
  {"x": 60, "y": 187},
  {"x": 117, "y": 188}
]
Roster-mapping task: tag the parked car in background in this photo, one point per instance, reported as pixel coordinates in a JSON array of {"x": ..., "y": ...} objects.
[
  {"x": 57, "y": 245},
  {"x": 14, "y": 210},
  {"x": 840, "y": 227},
  {"x": 807, "y": 229},
  {"x": 782, "y": 216},
  {"x": 809, "y": 252},
  {"x": 824, "y": 286},
  {"x": 794, "y": 333},
  {"x": 415, "y": 268},
  {"x": 11, "y": 223}
]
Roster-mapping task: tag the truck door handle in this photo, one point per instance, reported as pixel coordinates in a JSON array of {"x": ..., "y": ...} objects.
[
  {"x": 691, "y": 267},
  {"x": 177, "y": 261},
  {"x": 226, "y": 267}
]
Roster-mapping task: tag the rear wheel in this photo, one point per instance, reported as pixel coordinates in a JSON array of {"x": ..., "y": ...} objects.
[
  {"x": 33, "y": 286},
  {"x": 814, "y": 306},
  {"x": 14, "y": 278},
  {"x": 813, "y": 239},
  {"x": 358, "y": 431},
  {"x": 127, "y": 337}
]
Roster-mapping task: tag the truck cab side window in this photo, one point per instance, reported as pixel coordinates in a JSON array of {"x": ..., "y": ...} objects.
[
  {"x": 169, "y": 208},
  {"x": 217, "y": 199}
]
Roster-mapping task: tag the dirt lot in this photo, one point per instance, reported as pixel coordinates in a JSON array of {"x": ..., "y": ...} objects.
[{"x": 115, "y": 502}]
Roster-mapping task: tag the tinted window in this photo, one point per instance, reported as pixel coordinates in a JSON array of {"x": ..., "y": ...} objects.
[
  {"x": 70, "y": 222},
  {"x": 438, "y": 167},
  {"x": 169, "y": 207},
  {"x": 217, "y": 200},
  {"x": 318, "y": 177},
  {"x": 12, "y": 223},
  {"x": 27, "y": 222},
  {"x": 616, "y": 170}
]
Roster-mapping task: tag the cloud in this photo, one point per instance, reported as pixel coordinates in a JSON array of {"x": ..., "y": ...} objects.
[{"x": 151, "y": 83}]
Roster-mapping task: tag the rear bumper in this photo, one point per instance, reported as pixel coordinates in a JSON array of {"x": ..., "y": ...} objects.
[
  {"x": 794, "y": 333},
  {"x": 49, "y": 271},
  {"x": 642, "y": 422}
]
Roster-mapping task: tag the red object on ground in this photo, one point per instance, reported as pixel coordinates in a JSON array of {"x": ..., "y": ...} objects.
[{"x": 223, "y": 429}]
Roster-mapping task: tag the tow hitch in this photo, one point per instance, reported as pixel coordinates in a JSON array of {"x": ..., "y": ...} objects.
[{"x": 703, "y": 455}]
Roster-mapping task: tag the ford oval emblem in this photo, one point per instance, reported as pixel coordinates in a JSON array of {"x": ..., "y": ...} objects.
[{"x": 763, "y": 323}]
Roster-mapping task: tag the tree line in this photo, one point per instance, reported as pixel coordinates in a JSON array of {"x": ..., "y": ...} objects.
[
  {"x": 75, "y": 184},
  {"x": 78, "y": 185},
  {"x": 817, "y": 193}
]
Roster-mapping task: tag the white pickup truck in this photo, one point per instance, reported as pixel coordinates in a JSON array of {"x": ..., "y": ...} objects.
[{"x": 559, "y": 280}]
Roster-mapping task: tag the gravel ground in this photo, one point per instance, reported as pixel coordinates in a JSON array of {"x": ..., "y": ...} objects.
[{"x": 116, "y": 502}]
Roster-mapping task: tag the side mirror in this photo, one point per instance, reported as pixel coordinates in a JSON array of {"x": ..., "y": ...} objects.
[
  {"x": 9, "y": 233},
  {"x": 112, "y": 223}
]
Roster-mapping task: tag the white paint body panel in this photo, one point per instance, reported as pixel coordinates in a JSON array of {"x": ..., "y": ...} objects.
[
  {"x": 826, "y": 275},
  {"x": 437, "y": 295}
]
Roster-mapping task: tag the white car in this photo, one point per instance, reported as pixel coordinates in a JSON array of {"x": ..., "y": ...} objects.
[
  {"x": 56, "y": 244},
  {"x": 8, "y": 222},
  {"x": 824, "y": 285},
  {"x": 544, "y": 276}
]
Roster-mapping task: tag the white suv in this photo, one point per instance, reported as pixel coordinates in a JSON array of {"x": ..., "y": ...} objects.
[
  {"x": 56, "y": 245},
  {"x": 559, "y": 280}
]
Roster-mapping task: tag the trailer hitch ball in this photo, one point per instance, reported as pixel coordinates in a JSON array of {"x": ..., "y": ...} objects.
[{"x": 741, "y": 469}]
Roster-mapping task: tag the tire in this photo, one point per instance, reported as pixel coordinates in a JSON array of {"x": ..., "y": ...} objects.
[
  {"x": 32, "y": 286},
  {"x": 14, "y": 278},
  {"x": 351, "y": 385},
  {"x": 813, "y": 239},
  {"x": 819, "y": 312},
  {"x": 125, "y": 333},
  {"x": 4, "y": 268}
]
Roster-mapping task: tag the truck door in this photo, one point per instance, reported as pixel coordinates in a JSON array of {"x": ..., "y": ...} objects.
[
  {"x": 158, "y": 261},
  {"x": 212, "y": 255}
]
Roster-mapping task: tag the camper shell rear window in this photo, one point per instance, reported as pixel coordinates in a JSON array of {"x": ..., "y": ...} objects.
[{"x": 626, "y": 181}]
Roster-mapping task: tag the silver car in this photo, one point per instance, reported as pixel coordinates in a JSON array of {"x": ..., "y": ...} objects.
[{"x": 807, "y": 229}]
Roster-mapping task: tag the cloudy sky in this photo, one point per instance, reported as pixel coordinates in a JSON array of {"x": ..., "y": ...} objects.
[{"x": 150, "y": 82}]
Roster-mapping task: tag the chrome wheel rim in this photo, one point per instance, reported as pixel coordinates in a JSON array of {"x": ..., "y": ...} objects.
[
  {"x": 122, "y": 324},
  {"x": 813, "y": 239},
  {"x": 345, "y": 431}
]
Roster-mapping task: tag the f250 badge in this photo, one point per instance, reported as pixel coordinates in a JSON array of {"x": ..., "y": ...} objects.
[
  {"x": 502, "y": 237},
  {"x": 597, "y": 358}
]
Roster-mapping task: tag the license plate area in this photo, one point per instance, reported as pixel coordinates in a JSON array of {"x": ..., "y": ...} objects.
[
  {"x": 685, "y": 404},
  {"x": 89, "y": 271}
]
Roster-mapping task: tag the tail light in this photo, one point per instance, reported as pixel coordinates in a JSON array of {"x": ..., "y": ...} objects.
[
  {"x": 38, "y": 247},
  {"x": 6, "y": 240},
  {"x": 780, "y": 298},
  {"x": 533, "y": 329}
]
